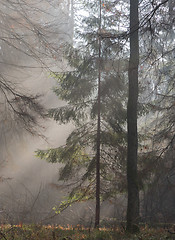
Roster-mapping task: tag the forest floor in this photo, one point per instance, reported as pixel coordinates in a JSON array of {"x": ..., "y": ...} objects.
[{"x": 40, "y": 232}]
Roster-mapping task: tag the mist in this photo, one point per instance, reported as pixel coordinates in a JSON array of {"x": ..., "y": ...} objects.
[
  {"x": 26, "y": 182},
  {"x": 25, "y": 178}
]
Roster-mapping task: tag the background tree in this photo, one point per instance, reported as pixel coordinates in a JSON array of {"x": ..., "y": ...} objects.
[{"x": 158, "y": 42}]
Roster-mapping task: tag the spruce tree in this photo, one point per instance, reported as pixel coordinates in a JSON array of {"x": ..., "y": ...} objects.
[{"x": 78, "y": 87}]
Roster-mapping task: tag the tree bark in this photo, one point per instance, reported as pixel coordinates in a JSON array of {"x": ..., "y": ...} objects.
[{"x": 132, "y": 179}]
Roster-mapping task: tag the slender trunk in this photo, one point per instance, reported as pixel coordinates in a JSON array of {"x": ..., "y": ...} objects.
[
  {"x": 97, "y": 211},
  {"x": 132, "y": 179}
]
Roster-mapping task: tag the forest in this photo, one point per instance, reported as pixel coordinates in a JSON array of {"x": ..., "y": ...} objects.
[{"x": 87, "y": 100}]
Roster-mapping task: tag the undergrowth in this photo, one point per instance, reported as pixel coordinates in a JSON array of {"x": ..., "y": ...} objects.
[{"x": 49, "y": 232}]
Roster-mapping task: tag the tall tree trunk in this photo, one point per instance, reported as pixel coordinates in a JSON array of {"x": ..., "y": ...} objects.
[
  {"x": 97, "y": 210},
  {"x": 132, "y": 179}
]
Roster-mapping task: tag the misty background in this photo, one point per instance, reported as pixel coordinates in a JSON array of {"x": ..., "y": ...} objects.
[
  {"x": 32, "y": 34},
  {"x": 31, "y": 38}
]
